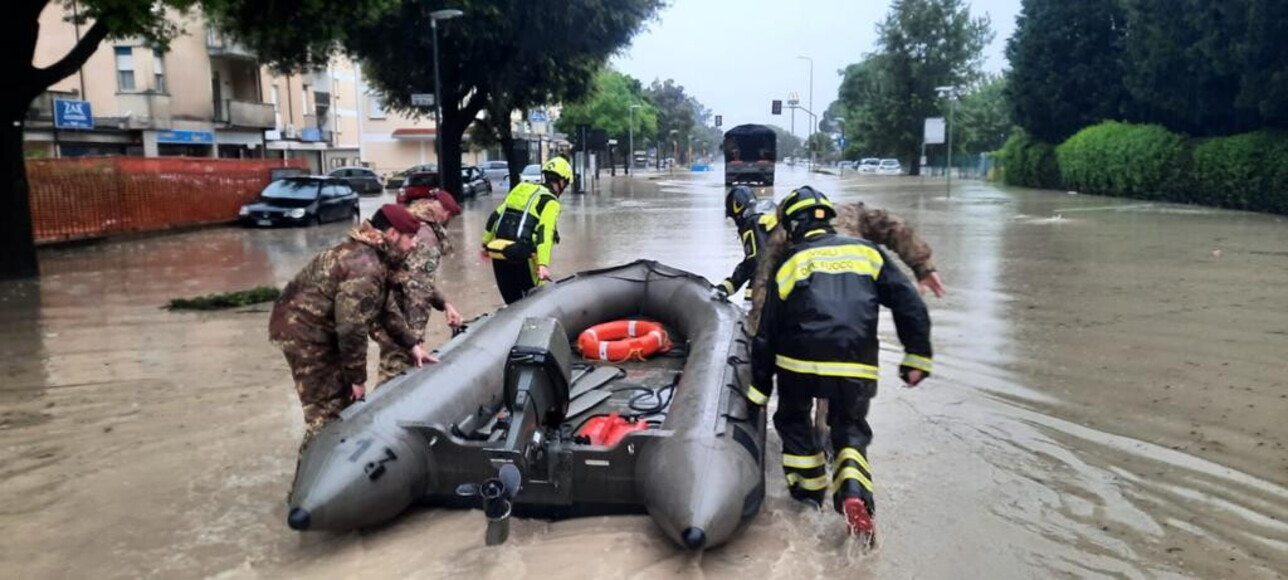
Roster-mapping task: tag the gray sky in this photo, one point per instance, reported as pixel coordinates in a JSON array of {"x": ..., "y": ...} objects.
[{"x": 736, "y": 56}]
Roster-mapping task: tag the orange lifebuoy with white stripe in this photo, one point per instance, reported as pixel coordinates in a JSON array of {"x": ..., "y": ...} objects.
[{"x": 622, "y": 340}]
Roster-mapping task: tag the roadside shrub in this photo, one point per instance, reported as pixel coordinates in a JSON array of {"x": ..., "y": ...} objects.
[
  {"x": 1120, "y": 159},
  {"x": 1248, "y": 171},
  {"x": 1028, "y": 162}
]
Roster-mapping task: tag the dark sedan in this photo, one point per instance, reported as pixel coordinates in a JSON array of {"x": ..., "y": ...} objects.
[
  {"x": 302, "y": 201},
  {"x": 361, "y": 179},
  {"x": 474, "y": 182}
]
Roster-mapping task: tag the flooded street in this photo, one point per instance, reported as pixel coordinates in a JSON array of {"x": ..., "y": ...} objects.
[{"x": 1109, "y": 400}]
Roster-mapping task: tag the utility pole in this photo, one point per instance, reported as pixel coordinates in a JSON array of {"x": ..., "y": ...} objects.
[
  {"x": 813, "y": 119},
  {"x": 630, "y": 155},
  {"x": 434, "y": 17}
]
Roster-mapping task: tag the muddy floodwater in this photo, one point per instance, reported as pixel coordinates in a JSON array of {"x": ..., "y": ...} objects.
[{"x": 1110, "y": 400}]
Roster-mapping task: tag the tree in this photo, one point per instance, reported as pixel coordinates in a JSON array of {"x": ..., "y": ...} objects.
[
  {"x": 676, "y": 112},
  {"x": 501, "y": 56},
  {"x": 822, "y": 145},
  {"x": 1066, "y": 66},
  {"x": 983, "y": 117},
  {"x": 1265, "y": 62},
  {"x": 922, "y": 44},
  {"x": 314, "y": 27},
  {"x": 608, "y": 108},
  {"x": 788, "y": 145}
]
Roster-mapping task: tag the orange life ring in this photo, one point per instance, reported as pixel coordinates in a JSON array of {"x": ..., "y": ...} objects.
[{"x": 622, "y": 340}]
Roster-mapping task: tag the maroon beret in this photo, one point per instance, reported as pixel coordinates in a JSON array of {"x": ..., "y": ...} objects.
[{"x": 400, "y": 218}]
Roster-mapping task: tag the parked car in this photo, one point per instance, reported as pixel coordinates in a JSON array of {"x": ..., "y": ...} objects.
[
  {"x": 889, "y": 167},
  {"x": 423, "y": 185},
  {"x": 299, "y": 201},
  {"x": 395, "y": 180},
  {"x": 361, "y": 179},
  {"x": 474, "y": 182},
  {"x": 869, "y": 165},
  {"x": 496, "y": 171},
  {"x": 531, "y": 174}
]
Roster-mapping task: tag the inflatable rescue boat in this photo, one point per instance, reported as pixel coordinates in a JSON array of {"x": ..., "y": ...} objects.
[{"x": 514, "y": 421}]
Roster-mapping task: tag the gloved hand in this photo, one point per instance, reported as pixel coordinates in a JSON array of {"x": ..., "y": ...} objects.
[
  {"x": 723, "y": 290},
  {"x": 912, "y": 377}
]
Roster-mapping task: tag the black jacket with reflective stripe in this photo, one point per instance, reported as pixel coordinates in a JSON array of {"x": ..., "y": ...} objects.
[
  {"x": 823, "y": 306},
  {"x": 754, "y": 229}
]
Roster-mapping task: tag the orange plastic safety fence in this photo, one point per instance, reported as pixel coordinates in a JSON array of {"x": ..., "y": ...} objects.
[{"x": 104, "y": 196}]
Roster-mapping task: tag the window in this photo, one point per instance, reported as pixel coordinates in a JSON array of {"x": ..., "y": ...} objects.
[
  {"x": 277, "y": 111},
  {"x": 377, "y": 107},
  {"x": 124, "y": 68},
  {"x": 158, "y": 72},
  {"x": 304, "y": 99}
]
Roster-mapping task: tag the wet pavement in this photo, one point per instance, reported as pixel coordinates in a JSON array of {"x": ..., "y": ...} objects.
[{"x": 1109, "y": 401}]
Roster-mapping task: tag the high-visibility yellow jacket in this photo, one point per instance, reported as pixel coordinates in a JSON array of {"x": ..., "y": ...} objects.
[{"x": 530, "y": 213}]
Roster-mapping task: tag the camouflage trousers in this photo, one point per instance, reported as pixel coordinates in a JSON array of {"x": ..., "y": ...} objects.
[{"x": 316, "y": 370}]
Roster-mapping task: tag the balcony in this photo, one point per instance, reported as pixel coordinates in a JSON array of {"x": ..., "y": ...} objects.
[
  {"x": 145, "y": 110},
  {"x": 246, "y": 114},
  {"x": 217, "y": 45}
]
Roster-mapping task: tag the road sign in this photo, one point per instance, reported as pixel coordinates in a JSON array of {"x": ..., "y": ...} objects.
[
  {"x": 612, "y": 141},
  {"x": 840, "y": 142},
  {"x": 777, "y": 107},
  {"x": 719, "y": 121},
  {"x": 535, "y": 116},
  {"x": 73, "y": 114},
  {"x": 422, "y": 99},
  {"x": 934, "y": 131}
]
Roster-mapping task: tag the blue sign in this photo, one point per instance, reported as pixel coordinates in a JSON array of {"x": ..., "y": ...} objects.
[
  {"x": 538, "y": 117},
  {"x": 840, "y": 141},
  {"x": 73, "y": 114},
  {"x": 177, "y": 136},
  {"x": 310, "y": 134}
]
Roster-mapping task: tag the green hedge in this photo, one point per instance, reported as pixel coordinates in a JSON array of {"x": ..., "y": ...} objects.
[
  {"x": 1028, "y": 162},
  {"x": 1247, "y": 171},
  {"x": 1112, "y": 158}
]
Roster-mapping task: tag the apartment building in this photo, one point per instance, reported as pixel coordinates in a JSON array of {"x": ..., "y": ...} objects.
[{"x": 209, "y": 97}]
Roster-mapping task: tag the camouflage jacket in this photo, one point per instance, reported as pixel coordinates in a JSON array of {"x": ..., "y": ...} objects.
[
  {"x": 413, "y": 290},
  {"x": 852, "y": 219},
  {"x": 336, "y": 300}
]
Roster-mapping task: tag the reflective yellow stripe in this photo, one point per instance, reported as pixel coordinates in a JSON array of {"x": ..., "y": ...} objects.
[
  {"x": 918, "y": 362},
  {"x": 756, "y": 396},
  {"x": 806, "y": 203},
  {"x": 728, "y": 286},
  {"x": 808, "y": 483},
  {"x": 851, "y": 473},
  {"x": 852, "y": 453},
  {"x": 804, "y": 461},
  {"x": 827, "y": 368},
  {"x": 848, "y": 259},
  {"x": 768, "y": 221}
]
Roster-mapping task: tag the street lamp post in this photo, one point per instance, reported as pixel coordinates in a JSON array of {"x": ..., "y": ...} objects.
[
  {"x": 675, "y": 150},
  {"x": 841, "y": 121},
  {"x": 813, "y": 120},
  {"x": 952, "y": 92},
  {"x": 630, "y": 155},
  {"x": 434, "y": 17}
]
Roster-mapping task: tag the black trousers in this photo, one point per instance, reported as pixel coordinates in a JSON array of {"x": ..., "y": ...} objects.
[
  {"x": 804, "y": 462},
  {"x": 513, "y": 279}
]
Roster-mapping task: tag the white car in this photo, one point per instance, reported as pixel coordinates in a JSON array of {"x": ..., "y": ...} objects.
[
  {"x": 869, "y": 165},
  {"x": 889, "y": 167},
  {"x": 531, "y": 174}
]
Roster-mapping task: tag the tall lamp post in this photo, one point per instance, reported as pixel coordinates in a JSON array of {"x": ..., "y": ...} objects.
[
  {"x": 813, "y": 121},
  {"x": 434, "y": 17},
  {"x": 675, "y": 150},
  {"x": 630, "y": 155},
  {"x": 952, "y": 92}
]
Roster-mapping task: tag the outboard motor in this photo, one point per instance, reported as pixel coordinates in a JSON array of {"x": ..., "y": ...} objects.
[{"x": 537, "y": 374}]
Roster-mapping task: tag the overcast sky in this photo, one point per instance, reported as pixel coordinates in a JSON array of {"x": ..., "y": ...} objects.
[{"x": 736, "y": 56}]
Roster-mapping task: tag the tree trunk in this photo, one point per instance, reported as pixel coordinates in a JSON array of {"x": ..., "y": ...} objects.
[{"x": 17, "y": 245}]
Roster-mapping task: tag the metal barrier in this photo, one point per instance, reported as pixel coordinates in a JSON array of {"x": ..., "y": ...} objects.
[{"x": 94, "y": 197}]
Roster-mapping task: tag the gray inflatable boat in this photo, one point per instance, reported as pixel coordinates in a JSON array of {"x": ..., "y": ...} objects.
[{"x": 498, "y": 423}]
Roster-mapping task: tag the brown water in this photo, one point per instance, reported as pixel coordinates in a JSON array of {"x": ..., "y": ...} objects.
[{"x": 1110, "y": 400}]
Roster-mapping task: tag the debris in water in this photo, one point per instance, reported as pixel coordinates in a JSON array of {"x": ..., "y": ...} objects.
[{"x": 226, "y": 300}]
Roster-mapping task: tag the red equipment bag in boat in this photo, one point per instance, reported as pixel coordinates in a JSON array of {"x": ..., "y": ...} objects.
[{"x": 608, "y": 430}]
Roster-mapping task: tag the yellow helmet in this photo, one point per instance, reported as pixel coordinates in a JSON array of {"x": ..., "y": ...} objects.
[
  {"x": 806, "y": 202},
  {"x": 560, "y": 167}
]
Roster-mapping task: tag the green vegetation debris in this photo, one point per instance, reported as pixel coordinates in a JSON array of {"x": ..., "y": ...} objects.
[{"x": 226, "y": 300}]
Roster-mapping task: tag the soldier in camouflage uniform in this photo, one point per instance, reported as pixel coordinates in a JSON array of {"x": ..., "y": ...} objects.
[
  {"x": 412, "y": 288},
  {"x": 323, "y": 317}
]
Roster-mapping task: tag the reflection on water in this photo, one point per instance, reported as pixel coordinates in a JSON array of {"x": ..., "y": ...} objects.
[{"x": 1104, "y": 405}]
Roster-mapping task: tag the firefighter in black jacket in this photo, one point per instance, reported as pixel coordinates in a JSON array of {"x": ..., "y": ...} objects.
[
  {"x": 755, "y": 220},
  {"x": 818, "y": 334}
]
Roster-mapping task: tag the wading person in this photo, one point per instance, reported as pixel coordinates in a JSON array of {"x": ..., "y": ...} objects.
[
  {"x": 521, "y": 233},
  {"x": 818, "y": 336},
  {"x": 324, "y": 315},
  {"x": 413, "y": 290}
]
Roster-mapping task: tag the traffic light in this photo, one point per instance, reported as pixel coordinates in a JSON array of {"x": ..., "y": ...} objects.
[
  {"x": 777, "y": 108},
  {"x": 719, "y": 121}
]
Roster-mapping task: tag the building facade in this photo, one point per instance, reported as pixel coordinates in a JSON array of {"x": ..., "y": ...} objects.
[{"x": 206, "y": 96}]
